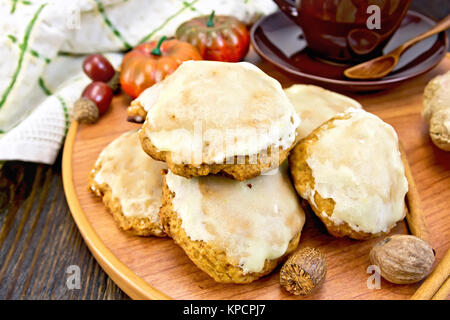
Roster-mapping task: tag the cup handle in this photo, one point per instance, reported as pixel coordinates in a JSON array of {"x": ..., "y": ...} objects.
[{"x": 288, "y": 7}]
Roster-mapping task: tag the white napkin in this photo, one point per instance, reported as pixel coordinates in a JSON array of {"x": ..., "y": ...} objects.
[
  {"x": 39, "y": 136},
  {"x": 40, "y": 78}
]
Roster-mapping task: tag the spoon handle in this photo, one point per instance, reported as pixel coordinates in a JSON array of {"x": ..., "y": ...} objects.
[{"x": 441, "y": 26}]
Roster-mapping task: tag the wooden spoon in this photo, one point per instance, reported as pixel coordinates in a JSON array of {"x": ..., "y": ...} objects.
[{"x": 381, "y": 66}]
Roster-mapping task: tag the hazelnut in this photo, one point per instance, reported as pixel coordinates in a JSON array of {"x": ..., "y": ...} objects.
[{"x": 85, "y": 111}]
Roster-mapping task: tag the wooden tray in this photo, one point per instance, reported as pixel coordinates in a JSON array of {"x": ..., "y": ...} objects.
[{"x": 154, "y": 268}]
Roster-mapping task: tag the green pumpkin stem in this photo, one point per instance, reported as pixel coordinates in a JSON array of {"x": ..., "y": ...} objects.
[
  {"x": 157, "y": 50},
  {"x": 210, "y": 22}
]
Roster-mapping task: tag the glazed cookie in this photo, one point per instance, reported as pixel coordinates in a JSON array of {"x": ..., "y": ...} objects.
[
  {"x": 350, "y": 171},
  {"x": 234, "y": 231},
  {"x": 218, "y": 118},
  {"x": 130, "y": 184},
  {"x": 315, "y": 105},
  {"x": 436, "y": 110},
  {"x": 138, "y": 109}
]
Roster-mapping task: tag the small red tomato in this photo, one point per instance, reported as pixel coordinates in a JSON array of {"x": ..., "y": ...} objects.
[
  {"x": 100, "y": 93},
  {"x": 98, "y": 68}
]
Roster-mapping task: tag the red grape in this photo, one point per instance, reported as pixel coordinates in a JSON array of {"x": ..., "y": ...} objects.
[
  {"x": 98, "y": 68},
  {"x": 100, "y": 93}
]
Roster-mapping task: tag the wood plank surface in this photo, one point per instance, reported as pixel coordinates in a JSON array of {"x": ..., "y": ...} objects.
[
  {"x": 39, "y": 240},
  {"x": 165, "y": 266}
]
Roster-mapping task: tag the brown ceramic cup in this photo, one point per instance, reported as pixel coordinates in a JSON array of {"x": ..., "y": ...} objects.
[{"x": 346, "y": 30}]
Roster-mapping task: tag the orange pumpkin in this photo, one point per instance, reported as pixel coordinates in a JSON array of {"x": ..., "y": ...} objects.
[
  {"x": 219, "y": 38},
  {"x": 151, "y": 62}
]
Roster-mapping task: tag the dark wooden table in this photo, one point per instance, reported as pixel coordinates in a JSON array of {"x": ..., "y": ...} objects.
[{"x": 39, "y": 240}]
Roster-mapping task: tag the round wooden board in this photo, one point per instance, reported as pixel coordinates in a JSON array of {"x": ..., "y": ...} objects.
[{"x": 155, "y": 268}]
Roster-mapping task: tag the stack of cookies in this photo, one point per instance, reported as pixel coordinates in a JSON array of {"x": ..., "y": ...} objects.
[{"x": 209, "y": 168}]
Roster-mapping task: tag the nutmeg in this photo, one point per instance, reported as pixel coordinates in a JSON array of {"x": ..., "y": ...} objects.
[
  {"x": 85, "y": 111},
  {"x": 402, "y": 259},
  {"x": 304, "y": 271}
]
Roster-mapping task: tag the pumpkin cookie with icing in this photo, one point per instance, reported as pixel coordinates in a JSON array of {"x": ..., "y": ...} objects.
[
  {"x": 130, "y": 184},
  {"x": 213, "y": 117},
  {"x": 351, "y": 173},
  {"x": 234, "y": 231},
  {"x": 315, "y": 105}
]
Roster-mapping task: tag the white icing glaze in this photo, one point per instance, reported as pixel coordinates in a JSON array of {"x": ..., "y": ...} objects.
[
  {"x": 134, "y": 177},
  {"x": 148, "y": 97},
  {"x": 252, "y": 220},
  {"x": 357, "y": 163},
  {"x": 208, "y": 111},
  {"x": 315, "y": 105}
]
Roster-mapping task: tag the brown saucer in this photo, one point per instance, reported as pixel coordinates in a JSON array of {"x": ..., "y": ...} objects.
[{"x": 279, "y": 41}]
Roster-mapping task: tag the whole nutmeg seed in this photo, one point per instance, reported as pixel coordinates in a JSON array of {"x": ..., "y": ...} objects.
[
  {"x": 402, "y": 259},
  {"x": 85, "y": 111},
  {"x": 304, "y": 271}
]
